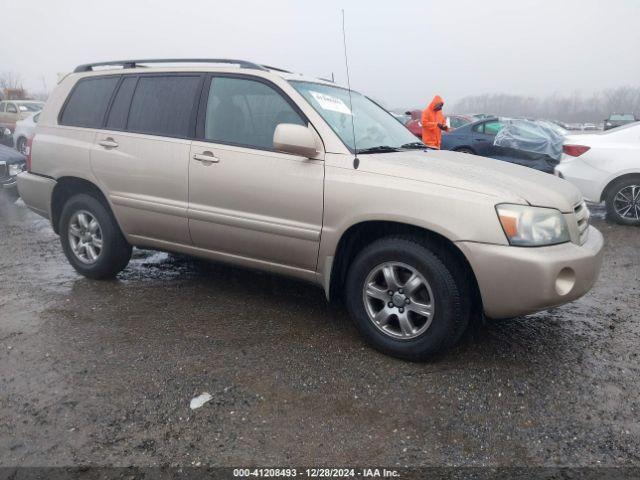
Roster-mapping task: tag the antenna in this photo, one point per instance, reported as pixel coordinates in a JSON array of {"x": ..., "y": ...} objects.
[{"x": 356, "y": 161}]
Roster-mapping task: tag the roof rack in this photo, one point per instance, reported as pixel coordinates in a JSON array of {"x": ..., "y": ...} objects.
[{"x": 89, "y": 67}]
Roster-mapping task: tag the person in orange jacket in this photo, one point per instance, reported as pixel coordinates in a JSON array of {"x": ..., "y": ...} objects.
[{"x": 433, "y": 123}]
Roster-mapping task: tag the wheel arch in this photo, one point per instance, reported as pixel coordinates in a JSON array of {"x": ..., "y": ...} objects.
[
  {"x": 607, "y": 188},
  {"x": 465, "y": 147},
  {"x": 359, "y": 235},
  {"x": 68, "y": 186}
]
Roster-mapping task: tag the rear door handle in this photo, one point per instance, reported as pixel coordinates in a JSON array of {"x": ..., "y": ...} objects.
[
  {"x": 108, "y": 143},
  {"x": 207, "y": 158}
]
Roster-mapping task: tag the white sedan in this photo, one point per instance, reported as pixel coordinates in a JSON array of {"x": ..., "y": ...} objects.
[
  {"x": 605, "y": 166},
  {"x": 24, "y": 131}
]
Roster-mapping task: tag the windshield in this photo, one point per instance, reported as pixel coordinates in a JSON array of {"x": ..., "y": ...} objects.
[
  {"x": 374, "y": 126},
  {"x": 30, "y": 107}
]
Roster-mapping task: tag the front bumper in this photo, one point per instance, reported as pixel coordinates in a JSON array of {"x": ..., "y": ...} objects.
[{"x": 517, "y": 280}]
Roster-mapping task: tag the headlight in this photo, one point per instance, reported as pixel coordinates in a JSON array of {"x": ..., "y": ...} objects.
[
  {"x": 15, "y": 169},
  {"x": 532, "y": 226}
]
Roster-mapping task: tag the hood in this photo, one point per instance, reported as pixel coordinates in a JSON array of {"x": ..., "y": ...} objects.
[
  {"x": 10, "y": 156},
  {"x": 506, "y": 182},
  {"x": 436, "y": 100}
]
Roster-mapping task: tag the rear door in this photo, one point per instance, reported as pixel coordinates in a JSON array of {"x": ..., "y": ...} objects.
[
  {"x": 141, "y": 155},
  {"x": 482, "y": 138},
  {"x": 246, "y": 199}
]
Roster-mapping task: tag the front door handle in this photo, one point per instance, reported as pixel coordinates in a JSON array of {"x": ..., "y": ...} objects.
[
  {"x": 108, "y": 143},
  {"x": 207, "y": 158}
]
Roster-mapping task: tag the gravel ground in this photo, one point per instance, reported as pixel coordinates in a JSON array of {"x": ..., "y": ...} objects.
[{"x": 102, "y": 373}]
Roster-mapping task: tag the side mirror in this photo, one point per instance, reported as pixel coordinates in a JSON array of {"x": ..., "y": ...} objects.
[
  {"x": 294, "y": 139},
  {"x": 408, "y": 112}
]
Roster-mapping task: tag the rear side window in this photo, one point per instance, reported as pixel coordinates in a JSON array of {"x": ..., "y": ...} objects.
[
  {"x": 120, "y": 108},
  {"x": 246, "y": 112},
  {"x": 88, "y": 102},
  {"x": 163, "y": 105}
]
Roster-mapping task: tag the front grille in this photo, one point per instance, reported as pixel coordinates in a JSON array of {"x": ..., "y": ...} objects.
[
  {"x": 582, "y": 217},
  {"x": 4, "y": 170}
]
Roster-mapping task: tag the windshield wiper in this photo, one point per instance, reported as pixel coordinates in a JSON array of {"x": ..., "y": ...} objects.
[
  {"x": 414, "y": 145},
  {"x": 379, "y": 149}
]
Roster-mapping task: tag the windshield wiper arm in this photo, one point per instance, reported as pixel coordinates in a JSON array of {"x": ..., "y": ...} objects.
[
  {"x": 414, "y": 145},
  {"x": 379, "y": 149}
]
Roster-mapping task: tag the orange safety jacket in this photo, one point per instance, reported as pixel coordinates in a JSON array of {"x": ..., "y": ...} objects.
[{"x": 431, "y": 134}]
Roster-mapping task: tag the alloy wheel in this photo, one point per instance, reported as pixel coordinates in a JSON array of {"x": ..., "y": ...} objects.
[
  {"x": 85, "y": 237},
  {"x": 627, "y": 202},
  {"x": 399, "y": 301}
]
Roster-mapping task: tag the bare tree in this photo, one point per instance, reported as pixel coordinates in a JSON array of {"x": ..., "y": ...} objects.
[{"x": 570, "y": 108}]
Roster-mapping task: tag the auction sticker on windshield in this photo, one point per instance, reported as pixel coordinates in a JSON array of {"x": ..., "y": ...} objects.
[{"x": 333, "y": 104}]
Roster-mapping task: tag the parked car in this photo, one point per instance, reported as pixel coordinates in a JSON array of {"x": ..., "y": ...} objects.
[
  {"x": 606, "y": 168},
  {"x": 266, "y": 169},
  {"x": 415, "y": 123},
  {"x": 478, "y": 138},
  {"x": 589, "y": 127},
  {"x": 24, "y": 131},
  {"x": 456, "y": 121},
  {"x": 619, "y": 119},
  {"x": 13, "y": 110},
  {"x": 6, "y": 137},
  {"x": 11, "y": 164}
]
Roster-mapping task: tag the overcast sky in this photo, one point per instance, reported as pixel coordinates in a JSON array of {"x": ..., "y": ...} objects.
[{"x": 400, "y": 52}]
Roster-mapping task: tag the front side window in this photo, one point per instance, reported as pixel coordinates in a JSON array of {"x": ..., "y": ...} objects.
[
  {"x": 374, "y": 126},
  {"x": 88, "y": 102},
  {"x": 11, "y": 108},
  {"x": 245, "y": 112},
  {"x": 162, "y": 105}
]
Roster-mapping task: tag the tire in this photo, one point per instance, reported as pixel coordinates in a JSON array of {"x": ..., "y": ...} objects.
[
  {"x": 21, "y": 144},
  {"x": 621, "y": 194},
  {"x": 113, "y": 255},
  {"x": 465, "y": 150},
  {"x": 446, "y": 290}
]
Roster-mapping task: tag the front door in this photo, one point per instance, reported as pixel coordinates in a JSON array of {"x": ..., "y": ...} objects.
[{"x": 247, "y": 200}]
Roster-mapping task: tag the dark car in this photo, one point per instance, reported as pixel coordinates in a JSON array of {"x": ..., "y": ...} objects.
[
  {"x": 619, "y": 119},
  {"x": 11, "y": 163},
  {"x": 6, "y": 137},
  {"x": 478, "y": 138}
]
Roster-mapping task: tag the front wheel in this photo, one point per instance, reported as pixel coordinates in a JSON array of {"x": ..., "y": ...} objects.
[
  {"x": 91, "y": 238},
  {"x": 405, "y": 300},
  {"x": 623, "y": 201}
]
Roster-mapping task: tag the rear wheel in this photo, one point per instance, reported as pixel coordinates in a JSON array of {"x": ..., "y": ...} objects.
[
  {"x": 405, "y": 300},
  {"x": 91, "y": 238},
  {"x": 623, "y": 201}
]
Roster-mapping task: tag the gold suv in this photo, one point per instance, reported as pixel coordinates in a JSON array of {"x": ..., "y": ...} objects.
[{"x": 262, "y": 168}]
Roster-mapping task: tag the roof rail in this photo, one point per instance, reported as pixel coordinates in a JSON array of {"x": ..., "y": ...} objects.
[
  {"x": 276, "y": 69},
  {"x": 88, "y": 67}
]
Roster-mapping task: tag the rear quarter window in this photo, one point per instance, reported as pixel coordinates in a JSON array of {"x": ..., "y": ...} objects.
[{"x": 88, "y": 102}]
